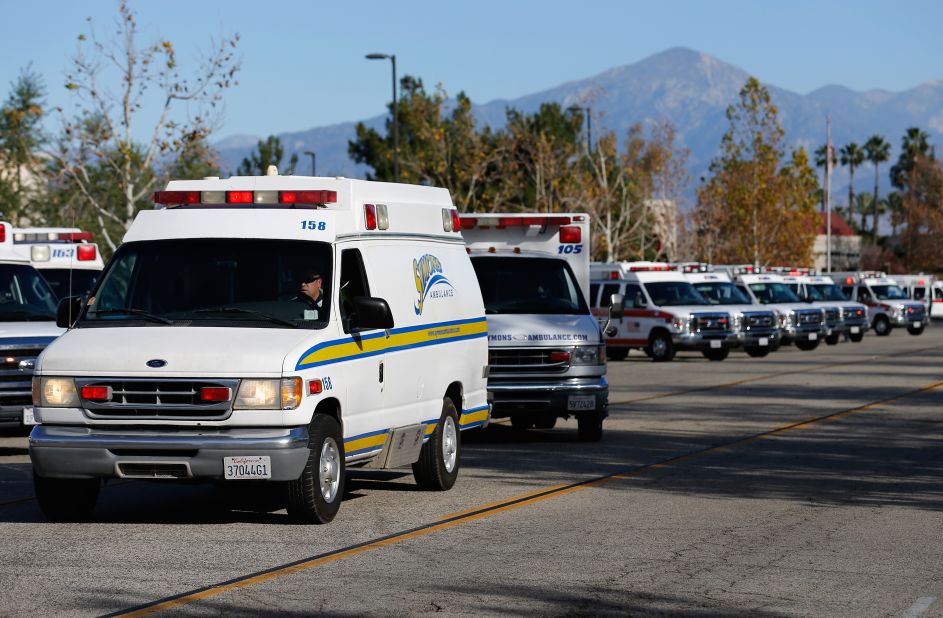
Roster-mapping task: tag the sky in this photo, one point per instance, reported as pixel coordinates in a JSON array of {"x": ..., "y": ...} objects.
[{"x": 303, "y": 65}]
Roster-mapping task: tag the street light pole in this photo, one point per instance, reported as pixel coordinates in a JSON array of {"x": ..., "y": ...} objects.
[
  {"x": 313, "y": 160},
  {"x": 392, "y": 58},
  {"x": 589, "y": 124}
]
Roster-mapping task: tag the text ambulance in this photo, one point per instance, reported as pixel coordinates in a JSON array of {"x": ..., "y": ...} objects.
[
  {"x": 268, "y": 328},
  {"x": 546, "y": 356},
  {"x": 663, "y": 313},
  {"x": 66, "y": 257}
]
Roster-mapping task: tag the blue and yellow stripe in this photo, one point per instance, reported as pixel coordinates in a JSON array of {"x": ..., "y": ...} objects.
[
  {"x": 365, "y": 442},
  {"x": 372, "y": 344},
  {"x": 474, "y": 417}
]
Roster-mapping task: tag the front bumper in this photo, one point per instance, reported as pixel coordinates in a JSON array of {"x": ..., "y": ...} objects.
[
  {"x": 11, "y": 415},
  {"x": 909, "y": 320},
  {"x": 703, "y": 341},
  {"x": 804, "y": 333},
  {"x": 59, "y": 451},
  {"x": 550, "y": 396},
  {"x": 757, "y": 339},
  {"x": 849, "y": 326}
]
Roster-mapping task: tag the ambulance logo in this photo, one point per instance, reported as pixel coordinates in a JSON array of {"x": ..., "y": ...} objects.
[{"x": 427, "y": 271}]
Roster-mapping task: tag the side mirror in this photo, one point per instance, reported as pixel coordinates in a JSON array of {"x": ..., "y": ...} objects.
[
  {"x": 640, "y": 300},
  {"x": 369, "y": 313},
  {"x": 68, "y": 310},
  {"x": 616, "y": 306}
]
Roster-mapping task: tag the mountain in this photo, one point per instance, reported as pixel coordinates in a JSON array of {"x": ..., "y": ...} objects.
[{"x": 688, "y": 88}]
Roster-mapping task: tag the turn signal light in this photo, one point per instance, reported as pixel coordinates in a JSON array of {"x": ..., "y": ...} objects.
[
  {"x": 559, "y": 357},
  {"x": 315, "y": 387}
]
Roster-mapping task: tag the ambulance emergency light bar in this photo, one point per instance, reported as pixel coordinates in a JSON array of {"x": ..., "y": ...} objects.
[
  {"x": 83, "y": 253},
  {"x": 568, "y": 233},
  {"x": 34, "y": 237},
  {"x": 217, "y": 198}
]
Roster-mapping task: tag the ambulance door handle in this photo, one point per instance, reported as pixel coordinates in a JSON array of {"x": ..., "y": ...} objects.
[{"x": 381, "y": 371}]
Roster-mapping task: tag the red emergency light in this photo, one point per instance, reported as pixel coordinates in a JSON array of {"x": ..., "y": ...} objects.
[
  {"x": 370, "y": 216},
  {"x": 176, "y": 198},
  {"x": 558, "y": 356},
  {"x": 3, "y": 233},
  {"x": 96, "y": 393},
  {"x": 239, "y": 197},
  {"x": 613, "y": 275},
  {"x": 571, "y": 234},
  {"x": 86, "y": 253},
  {"x": 315, "y": 387},
  {"x": 75, "y": 236},
  {"x": 180, "y": 198},
  {"x": 215, "y": 393}
]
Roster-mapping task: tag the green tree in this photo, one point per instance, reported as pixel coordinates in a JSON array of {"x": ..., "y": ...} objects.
[
  {"x": 852, "y": 155},
  {"x": 22, "y": 181},
  {"x": 758, "y": 206},
  {"x": 195, "y": 160},
  {"x": 914, "y": 145},
  {"x": 106, "y": 136},
  {"x": 877, "y": 151},
  {"x": 268, "y": 152}
]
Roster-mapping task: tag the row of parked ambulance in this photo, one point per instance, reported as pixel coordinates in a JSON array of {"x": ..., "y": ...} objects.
[
  {"x": 283, "y": 329},
  {"x": 716, "y": 309}
]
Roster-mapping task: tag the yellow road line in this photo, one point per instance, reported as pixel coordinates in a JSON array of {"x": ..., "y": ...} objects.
[{"x": 489, "y": 510}]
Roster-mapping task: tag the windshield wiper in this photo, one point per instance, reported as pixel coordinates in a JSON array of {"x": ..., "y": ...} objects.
[
  {"x": 135, "y": 312},
  {"x": 270, "y": 318}
]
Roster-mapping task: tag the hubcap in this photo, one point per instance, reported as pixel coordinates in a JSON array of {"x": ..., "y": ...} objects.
[
  {"x": 329, "y": 470},
  {"x": 659, "y": 347},
  {"x": 449, "y": 444}
]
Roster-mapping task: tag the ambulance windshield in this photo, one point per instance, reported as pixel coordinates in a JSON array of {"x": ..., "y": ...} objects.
[
  {"x": 673, "y": 294},
  {"x": 24, "y": 295},
  {"x": 721, "y": 293},
  {"x": 773, "y": 293},
  {"x": 82, "y": 281},
  {"x": 889, "y": 292},
  {"x": 528, "y": 285},
  {"x": 825, "y": 291},
  {"x": 215, "y": 282}
]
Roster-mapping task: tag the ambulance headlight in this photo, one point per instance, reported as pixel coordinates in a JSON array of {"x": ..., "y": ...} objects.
[
  {"x": 588, "y": 355},
  {"x": 58, "y": 393},
  {"x": 268, "y": 394},
  {"x": 681, "y": 323}
]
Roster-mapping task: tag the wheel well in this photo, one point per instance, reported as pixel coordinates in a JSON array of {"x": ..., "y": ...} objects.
[
  {"x": 658, "y": 331},
  {"x": 454, "y": 392},
  {"x": 331, "y": 407}
]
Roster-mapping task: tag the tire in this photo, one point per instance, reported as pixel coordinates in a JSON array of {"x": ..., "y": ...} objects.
[
  {"x": 617, "y": 354},
  {"x": 915, "y": 331},
  {"x": 661, "y": 349},
  {"x": 715, "y": 354},
  {"x": 832, "y": 339},
  {"x": 315, "y": 496},
  {"x": 882, "y": 327},
  {"x": 856, "y": 337},
  {"x": 807, "y": 346},
  {"x": 758, "y": 352},
  {"x": 545, "y": 422},
  {"x": 440, "y": 457},
  {"x": 66, "y": 500},
  {"x": 589, "y": 428}
]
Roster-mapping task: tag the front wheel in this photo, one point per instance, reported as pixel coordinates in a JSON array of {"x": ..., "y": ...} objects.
[
  {"x": 915, "y": 330},
  {"x": 806, "y": 345},
  {"x": 438, "y": 463},
  {"x": 65, "y": 500},
  {"x": 882, "y": 328},
  {"x": 716, "y": 354},
  {"x": 661, "y": 349},
  {"x": 589, "y": 427},
  {"x": 856, "y": 337},
  {"x": 758, "y": 352},
  {"x": 832, "y": 339},
  {"x": 315, "y": 497}
]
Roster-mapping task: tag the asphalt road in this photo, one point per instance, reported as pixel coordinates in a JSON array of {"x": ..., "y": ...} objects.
[{"x": 805, "y": 483}]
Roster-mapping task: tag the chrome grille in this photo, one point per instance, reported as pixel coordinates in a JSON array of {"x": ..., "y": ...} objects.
[
  {"x": 16, "y": 373},
  {"x": 759, "y": 320},
  {"x": 523, "y": 360},
  {"x": 711, "y": 322},
  {"x": 831, "y": 315},
  {"x": 169, "y": 398},
  {"x": 809, "y": 317},
  {"x": 916, "y": 312}
]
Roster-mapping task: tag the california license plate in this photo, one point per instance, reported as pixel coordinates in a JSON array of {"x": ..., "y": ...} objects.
[
  {"x": 579, "y": 403},
  {"x": 28, "y": 417},
  {"x": 256, "y": 467},
  {"x": 855, "y": 330},
  {"x": 715, "y": 343},
  {"x": 813, "y": 336},
  {"x": 764, "y": 341}
]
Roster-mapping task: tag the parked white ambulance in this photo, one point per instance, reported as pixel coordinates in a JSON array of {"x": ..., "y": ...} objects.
[
  {"x": 663, "y": 313},
  {"x": 799, "y": 323},
  {"x": 268, "y": 328},
  {"x": 821, "y": 289},
  {"x": 66, "y": 257},
  {"x": 27, "y": 326},
  {"x": 936, "y": 300},
  {"x": 831, "y": 310},
  {"x": 888, "y": 304},
  {"x": 755, "y": 327},
  {"x": 918, "y": 287},
  {"x": 546, "y": 354}
]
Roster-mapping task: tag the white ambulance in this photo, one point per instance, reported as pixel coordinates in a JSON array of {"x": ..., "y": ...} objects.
[
  {"x": 831, "y": 310},
  {"x": 663, "y": 313},
  {"x": 546, "y": 354},
  {"x": 268, "y": 328},
  {"x": 889, "y": 305},
  {"x": 27, "y": 326},
  {"x": 755, "y": 327},
  {"x": 821, "y": 289},
  {"x": 66, "y": 257},
  {"x": 799, "y": 323}
]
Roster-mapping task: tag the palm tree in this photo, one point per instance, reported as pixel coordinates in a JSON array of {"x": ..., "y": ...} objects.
[
  {"x": 915, "y": 144},
  {"x": 877, "y": 151},
  {"x": 852, "y": 155},
  {"x": 820, "y": 161}
]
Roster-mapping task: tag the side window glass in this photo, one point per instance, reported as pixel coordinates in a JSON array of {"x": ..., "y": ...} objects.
[
  {"x": 745, "y": 292},
  {"x": 864, "y": 295},
  {"x": 593, "y": 294},
  {"x": 607, "y": 291},
  {"x": 117, "y": 295},
  {"x": 353, "y": 283},
  {"x": 632, "y": 295}
]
